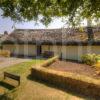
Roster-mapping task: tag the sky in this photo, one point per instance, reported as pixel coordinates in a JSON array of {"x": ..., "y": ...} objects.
[{"x": 6, "y": 25}]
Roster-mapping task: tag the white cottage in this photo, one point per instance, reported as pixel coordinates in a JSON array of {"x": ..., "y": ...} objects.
[{"x": 67, "y": 43}]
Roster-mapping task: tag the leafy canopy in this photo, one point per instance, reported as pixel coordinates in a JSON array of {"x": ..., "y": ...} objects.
[{"x": 23, "y": 10}]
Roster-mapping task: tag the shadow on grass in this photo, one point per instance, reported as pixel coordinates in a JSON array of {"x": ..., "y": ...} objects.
[
  {"x": 67, "y": 90},
  {"x": 6, "y": 85},
  {"x": 4, "y": 97}
]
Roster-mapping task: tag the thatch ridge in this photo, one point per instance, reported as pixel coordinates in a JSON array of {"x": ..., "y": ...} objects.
[{"x": 57, "y": 36}]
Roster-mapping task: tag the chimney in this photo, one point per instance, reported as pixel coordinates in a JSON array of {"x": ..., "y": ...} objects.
[
  {"x": 90, "y": 34},
  {"x": 5, "y": 33}
]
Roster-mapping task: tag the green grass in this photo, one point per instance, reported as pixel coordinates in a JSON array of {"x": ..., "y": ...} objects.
[
  {"x": 22, "y": 67},
  {"x": 33, "y": 90}
]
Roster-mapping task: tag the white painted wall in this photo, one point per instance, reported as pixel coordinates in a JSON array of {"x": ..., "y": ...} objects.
[
  {"x": 68, "y": 52},
  {"x": 71, "y": 52},
  {"x": 29, "y": 50}
]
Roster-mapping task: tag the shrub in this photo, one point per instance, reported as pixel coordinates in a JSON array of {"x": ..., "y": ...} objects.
[
  {"x": 5, "y": 53},
  {"x": 90, "y": 59},
  {"x": 98, "y": 58}
]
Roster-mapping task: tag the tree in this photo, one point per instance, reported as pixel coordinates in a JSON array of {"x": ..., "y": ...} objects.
[
  {"x": 31, "y": 9},
  {"x": 74, "y": 10}
]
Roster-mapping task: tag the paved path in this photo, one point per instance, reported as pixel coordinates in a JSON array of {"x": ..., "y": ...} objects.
[{"x": 6, "y": 62}]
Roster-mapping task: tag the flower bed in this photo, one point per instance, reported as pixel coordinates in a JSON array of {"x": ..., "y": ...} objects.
[{"x": 74, "y": 67}]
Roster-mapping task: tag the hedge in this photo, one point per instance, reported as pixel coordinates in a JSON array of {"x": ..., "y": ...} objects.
[
  {"x": 77, "y": 83},
  {"x": 5, "y": 53}
]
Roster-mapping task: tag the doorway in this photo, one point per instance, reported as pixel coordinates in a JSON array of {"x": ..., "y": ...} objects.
[{"x": 38, "y": 50}]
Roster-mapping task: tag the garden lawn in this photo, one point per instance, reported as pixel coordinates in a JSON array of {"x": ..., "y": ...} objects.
[{"x": 33, "y": 90}]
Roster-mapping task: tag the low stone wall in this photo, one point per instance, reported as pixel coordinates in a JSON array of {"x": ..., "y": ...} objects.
[
  {"x": 78, "y": 83},
  {"x": 49, "y": 61}
]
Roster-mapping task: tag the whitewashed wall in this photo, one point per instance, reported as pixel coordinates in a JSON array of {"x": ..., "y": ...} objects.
[
  {"x": 27, "y": 50},
  {"x": 67, "y": 52},
  {"x": 71, "y": 52}
]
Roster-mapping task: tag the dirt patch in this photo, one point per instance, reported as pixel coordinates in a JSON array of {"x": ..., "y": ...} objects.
[{"x": 74, "y": 67}]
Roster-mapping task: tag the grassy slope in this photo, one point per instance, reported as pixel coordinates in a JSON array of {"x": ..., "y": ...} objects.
[{"x": 32, "y": 90}]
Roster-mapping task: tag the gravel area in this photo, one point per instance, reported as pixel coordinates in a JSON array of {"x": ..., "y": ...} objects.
[{"x": 74, "y": 67}]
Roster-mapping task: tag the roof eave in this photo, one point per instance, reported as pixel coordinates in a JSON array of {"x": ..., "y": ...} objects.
[{"x": 70, "y": 43}]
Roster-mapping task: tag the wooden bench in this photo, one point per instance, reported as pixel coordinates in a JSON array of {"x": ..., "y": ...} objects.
[{"x": 12, "y": 76}]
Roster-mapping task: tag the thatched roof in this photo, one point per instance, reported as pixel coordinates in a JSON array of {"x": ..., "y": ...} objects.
[{"x": 50, "y": 36}]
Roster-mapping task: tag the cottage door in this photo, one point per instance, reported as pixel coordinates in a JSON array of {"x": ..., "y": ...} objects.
[{"x": 38, "y": 50}]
